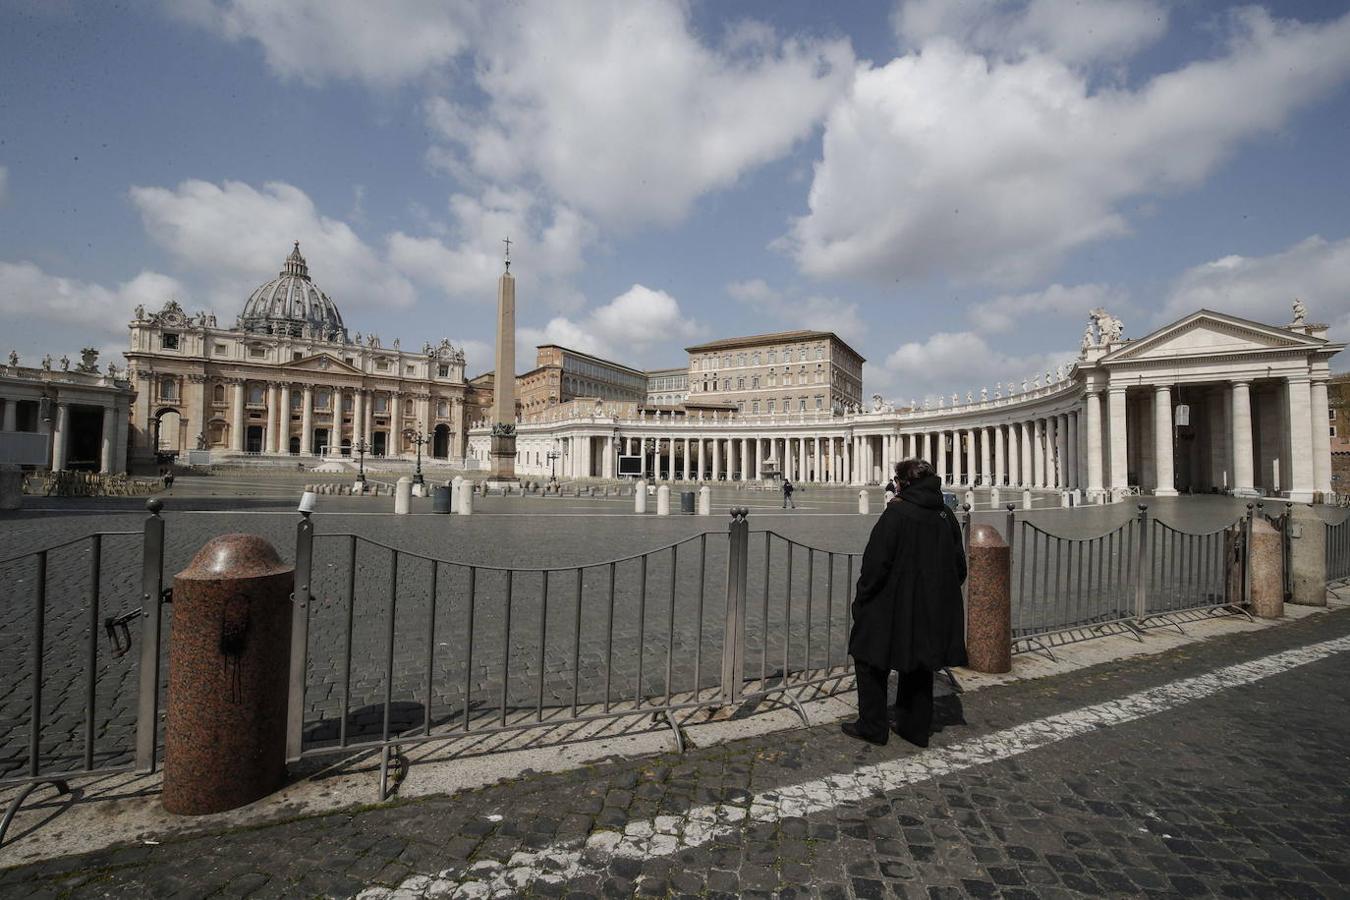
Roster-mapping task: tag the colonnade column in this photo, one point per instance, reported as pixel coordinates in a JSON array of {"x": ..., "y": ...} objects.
[
  {"x": 1071, "y": 445},
  {"x": 820, "y": 473},
  {"x": 1062, "y": 451},
  {"x": 1026, "y": 477},
  {"x": 307, "y": 420},
  {"x": 846, "y": 476},
  {"x": 941, "y": 460},
  {"x": 370, "y": 419},
  {"x": 1301, "y": 452},
  {"x": 358, "y": 417},
  {"x": 60, "y": 435},
  {"x": 986, "y": 470},
  {"x": 396, "y": 424},
  {"x": 1037, "y": 454},
  {"x": 109, "y": 435},
  {"x": 700, "y": 458},
  {"x": 1000, "y": 457},
  {"x": 1115, "y": 411},
  {"x": 1162, "y": 441},
  {"x": 284, "y": 420},
  {"x": 1093, "y": 401},
  {"x": 1321, "y": 439},
  {"x": 607, "y": 467},
  {"x": 716, "y": 458},
  {"x": 803, "y": 473},
  {"x": 270, "y": 438},
  {"x": 237, "y": 416}
]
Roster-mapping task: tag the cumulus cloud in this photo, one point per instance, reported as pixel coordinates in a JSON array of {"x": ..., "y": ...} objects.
[
  {"x": 1263, "y": 287},
  {"x": 638, "y": 116},
  {"x": 237, "y": 235},
  {"x": 465, "y": 265},
  {"x": 1075, "y": 31},
  {"x": 622, "y": 330},
  {"x": 1006, "y": 312},
  {"x": 814, "y": 312},
  {"x": 949, "y": 162},
  {"x": 961, "y": 361},
  {"x": 314, "y": 40},
  {"x": 28, "y": 293}
]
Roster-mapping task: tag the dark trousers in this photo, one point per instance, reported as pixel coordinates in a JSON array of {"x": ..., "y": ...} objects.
[{"x": 913, "y": 701}]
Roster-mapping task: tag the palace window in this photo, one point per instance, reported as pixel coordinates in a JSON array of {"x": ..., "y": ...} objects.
[
  {"x": 347, "y": 402},
  {"x": 168, "y": 388},
  {"x": 754, "y": 407},
  {"x": 740, "y": 383},
  {"x": 773, "y": 357},
  {"x": 323, "y": 399},
  {"x": 257, "y": 351},
  {"x": 754, "y": 382},
  {"x": 350, "y": 361},
  {"x": 443, "y": 370},
  {"x": 801, "y": 405},
  {"x": 755, "y": 358},
  {"x": 382, "y": 365},
  {"x": 168, "y": 341},
  {"x": 787, "y": 378},
  {"x": 740, "y": 359},
  {"x": 726, "y": 384},
  {"x": 296, "y": 399},
  {"x": 221, "y": 350},
  {"x": 820, "y": 353},
  {"x": 773, "y": 380},
  {"x": 442, "y": 408},
  {"x": 820, "y": 402},
  {"x": 255, "y": 394},
  {"x": 771, "y": 406}
]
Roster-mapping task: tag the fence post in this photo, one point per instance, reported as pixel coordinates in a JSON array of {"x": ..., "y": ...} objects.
[
  {"x": 733, "y": 651},
  {"x": 1143, "y": 572},
  {"x": 152, "y": 596},
  {"x": 1010, "y": 528},
  {"x": 295, "y": 695}
]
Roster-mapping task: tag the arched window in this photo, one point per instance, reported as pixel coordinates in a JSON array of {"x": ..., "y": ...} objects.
[
  {"x": 218, "y": 393},
  {"x": 168, "y": 388}
]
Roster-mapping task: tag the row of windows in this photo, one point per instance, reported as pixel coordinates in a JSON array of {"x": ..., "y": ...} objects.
[
  {"x": 753, "y": 383},
  {"x": 753, "y": 358},
  {"x": 772, "y": 406},
  {"x": 605, "y": 373}
]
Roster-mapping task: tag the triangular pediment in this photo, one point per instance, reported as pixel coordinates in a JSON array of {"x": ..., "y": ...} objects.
[
  {"x": 1206, "y": 334},
  {"x": 322, "y": 362}
]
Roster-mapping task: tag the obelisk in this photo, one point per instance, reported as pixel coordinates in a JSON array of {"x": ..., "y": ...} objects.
[{"x": 504, "y": 380}]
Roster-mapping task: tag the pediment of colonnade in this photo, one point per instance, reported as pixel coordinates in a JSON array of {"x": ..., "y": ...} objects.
[{"x": 1205, "y": 335}]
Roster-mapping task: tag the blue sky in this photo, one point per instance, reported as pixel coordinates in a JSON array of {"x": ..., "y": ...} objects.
[{"x": 950, "y": 185}]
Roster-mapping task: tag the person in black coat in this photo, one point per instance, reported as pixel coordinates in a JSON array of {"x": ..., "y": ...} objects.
[{"x": 907, "y": 612}]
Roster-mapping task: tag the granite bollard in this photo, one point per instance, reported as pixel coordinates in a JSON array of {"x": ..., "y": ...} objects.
[
  {"x": 403, "y": 496},
  {"x": 1308, "y": 556},
  {"x": 989, "y": 602},
  {"x": 229, "y": 664},
  {"x": 640, "y": 499},
  {"x": 1266, "y": 558}
]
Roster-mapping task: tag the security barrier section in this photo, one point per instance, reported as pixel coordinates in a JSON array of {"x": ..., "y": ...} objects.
[{"x": 1338, "y": 550}]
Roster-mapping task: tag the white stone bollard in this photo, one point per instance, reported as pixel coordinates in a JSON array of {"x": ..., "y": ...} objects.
[
  {"x": 705, "y": 501},
  {"x": 969, "y": 499},
  {"x": 663, "y": 500},
  {"x": 640, "y": 500},
  {"x": 864, "y": 502},
  {"x": 1026, "y": 499},
  {"x": 465, "y": 498},
  {"x": 993, "y": 498},
  {"x": 454, "y": 495},
  {"x": 403, "y": 496},
  {"x": 1064, "y": 499},
  {"x": 419, "y": 490}
]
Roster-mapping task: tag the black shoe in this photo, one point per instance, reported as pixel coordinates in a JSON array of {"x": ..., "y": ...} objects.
[
  {"x": 855, "y": 730},
  {"x": 912, "y": 738}
]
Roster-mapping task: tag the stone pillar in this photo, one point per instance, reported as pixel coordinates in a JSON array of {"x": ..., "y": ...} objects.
[
  {"x": 1321, "y": 438},
  {"x": 663, "y": 500},
  {"x": 989, "y": 602},
  {"x": 802, "y": 473},
  {"x": 972, "y": 437},
  {"x": 358, "y": 417},
  {"x": 820, "y": 472},
  {"x": 1162, "y": 441},
  {"x": 402, "y": 496},
  {"x": 986, "y": 469},
  {"x": 1037, "y": 454},
  {"x": 957, "y": 451},
  {"x": 1062, "y": 477},
  {"x": 716, "y": 458},
  {"x": 307, "y": 420},
  {"x": 701, "y": 467},
  {"x": 1000, "y": 457},
  {"x": 607, "y": 468},
  {"x": 270, "y": 436},
  {"x": 745, "y": 459},
  {"x": 395, "y": 425},
  {"x": 941, "y": 461},
  {"x": 847, "y": 474},
  {"x": 368, "y": 428},
  {"x": 120, "y": 445},
  {"x": 1308, "y": 557},
  {"x": 1243, "y": 468},
  {"x": 283, "y": 444},
  {"x": 1120, "y": 466},
  {"x": 1093, "y": 402},
  {"x": 1301, "y": 452},
  {"x": 237, "y": 418},
  {"x": 11, "y": 419},
  {"x": 1074, "y": 461},
  {"x": 108, "y": 436},
  {"x": 1267, "y": 570}
]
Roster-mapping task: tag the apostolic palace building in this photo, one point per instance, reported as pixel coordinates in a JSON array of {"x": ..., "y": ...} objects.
[{"x": 1210, "y": 403}]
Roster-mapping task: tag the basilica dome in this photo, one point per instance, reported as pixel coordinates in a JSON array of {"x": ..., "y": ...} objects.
[{"x": 292, "y": 304}]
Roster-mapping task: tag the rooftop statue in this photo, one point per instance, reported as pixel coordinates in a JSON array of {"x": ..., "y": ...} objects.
[
  {"x": 13, "y": 358},
  {"x": 1300, "y": 312}
]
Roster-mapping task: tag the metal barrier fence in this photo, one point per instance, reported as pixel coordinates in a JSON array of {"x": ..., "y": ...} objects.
[
  {"x": 1139, "y": 574},
  {"x": 1338, "y": 550},
  {"x": 72, "y": 696}
]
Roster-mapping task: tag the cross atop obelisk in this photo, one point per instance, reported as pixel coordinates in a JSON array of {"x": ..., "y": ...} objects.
[{"x": 504, "y": 378}]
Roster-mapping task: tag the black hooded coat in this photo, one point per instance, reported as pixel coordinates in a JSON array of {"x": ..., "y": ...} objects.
[{"x": 907, "y": 612}]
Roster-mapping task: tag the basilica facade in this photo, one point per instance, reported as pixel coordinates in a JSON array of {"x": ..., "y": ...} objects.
[{"x": 288, "y": 379}]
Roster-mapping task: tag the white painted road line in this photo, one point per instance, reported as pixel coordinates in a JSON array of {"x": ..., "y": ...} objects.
[{"x": 667, "y": 835}]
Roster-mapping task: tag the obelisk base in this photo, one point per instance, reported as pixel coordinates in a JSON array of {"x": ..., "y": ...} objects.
[{"x": 503, "y": 466}]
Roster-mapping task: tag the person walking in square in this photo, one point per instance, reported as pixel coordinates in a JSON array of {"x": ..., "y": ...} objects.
[
  {"x": 787, "y": 494},
  {"x": 908, "y": 615}
]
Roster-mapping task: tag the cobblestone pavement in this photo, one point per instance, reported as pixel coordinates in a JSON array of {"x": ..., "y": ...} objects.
[
  {"x": 1219, "y": 769},
  {"x": 676, "y": 648}
]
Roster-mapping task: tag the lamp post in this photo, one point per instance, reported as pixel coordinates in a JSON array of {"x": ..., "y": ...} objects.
[
  {"x": 552, "y": 456},
  {"x": 417, "y": 438},
  {"x": 361, "y": 447}
]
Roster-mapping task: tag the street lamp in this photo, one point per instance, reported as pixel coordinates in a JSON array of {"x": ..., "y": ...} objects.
[
  {"x": 361, "y": 448},
  {"x": 552, "y": 456},
  {"x": 417, "y": 438}
]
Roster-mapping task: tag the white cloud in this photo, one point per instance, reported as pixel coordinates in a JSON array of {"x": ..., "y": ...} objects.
[
  {"x": 238, "y": 236},
  {"x": 28, "y": 293},
  {"x": 1263, "y": 287},
  {"x": 814, "y": 312},
  {"x": 622, "y": 112},
  {"x": 960, "y": 361},
  {"x": 548, "y": 244},
  {"x": 313, "y": 40},
  {"x": 622, "y": 330},
  {"x": 946, "y": 162},
  {"x": 1007, "y": 312},
  {"x": 1074, "y": 31}
]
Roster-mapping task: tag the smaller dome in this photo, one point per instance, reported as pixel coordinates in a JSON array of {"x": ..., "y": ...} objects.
[{"x": 292, "y": 304}]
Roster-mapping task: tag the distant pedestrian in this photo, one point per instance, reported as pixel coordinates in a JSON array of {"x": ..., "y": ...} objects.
[
  {"x": 787, "y": 494},
  {"x": 907, "y": 612},
  {"x": 892, "y": 486}
]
